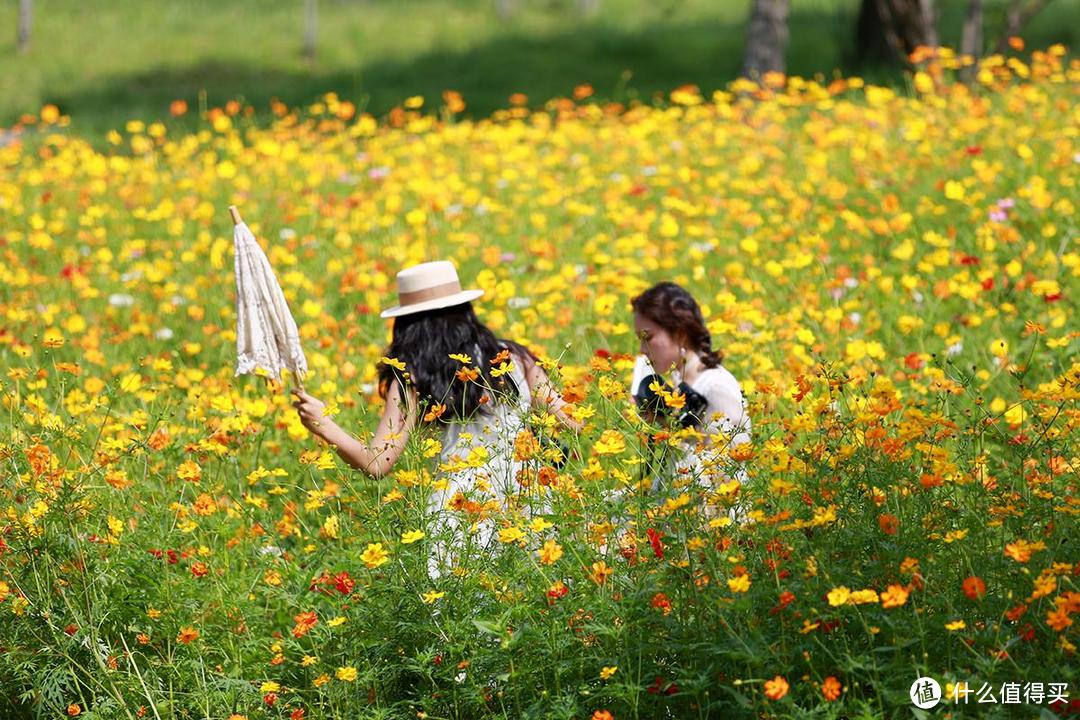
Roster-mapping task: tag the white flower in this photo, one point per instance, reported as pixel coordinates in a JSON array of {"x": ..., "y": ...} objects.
[
  {"x": 121, "y": 300},
  {"x": 164, "y": 334},
  {"x": 955, "y": 348}
]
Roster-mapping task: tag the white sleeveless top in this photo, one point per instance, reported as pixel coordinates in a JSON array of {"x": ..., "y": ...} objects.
[{"x": 726, "y": 423}]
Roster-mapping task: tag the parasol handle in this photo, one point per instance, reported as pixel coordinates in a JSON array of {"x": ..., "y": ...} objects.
[
  {"x": 235, "y": 212},
  {"x": 297, "y": 382}
]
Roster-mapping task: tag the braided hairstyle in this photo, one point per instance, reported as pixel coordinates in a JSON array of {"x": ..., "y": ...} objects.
[{"x": 673, "y": 308}]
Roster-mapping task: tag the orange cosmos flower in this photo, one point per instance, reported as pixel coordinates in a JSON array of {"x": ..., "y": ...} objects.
[
  {"x": 304, "y": 622},
  {"x": 974, "y": 587},
  {"x": 435, "y": 412},
  {"x": 600, "y": 572},
  {"x": 894, "y": 596},
  {"x": 467, "y": 374},
  {"x": 1021, "y": 550},
  {"x": 776, "y": 688},
  {"x": 187, "y": 635},
  {"x": 583, "y": 91},
  {"x": 831, "y": 688},
  {"x": 1058, "y": 618},
  {"x": 889, "y": 524},
  {"x": 550, "y": 553}
]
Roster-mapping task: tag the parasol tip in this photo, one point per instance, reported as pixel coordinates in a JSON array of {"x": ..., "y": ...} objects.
[{"x": 235, "y": 212}]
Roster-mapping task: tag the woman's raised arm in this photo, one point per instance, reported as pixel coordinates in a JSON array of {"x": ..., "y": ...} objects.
[{"x": 377, "y": 457}]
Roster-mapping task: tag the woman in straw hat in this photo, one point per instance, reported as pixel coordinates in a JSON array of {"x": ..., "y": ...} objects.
[{"x": 447, "y": 367}]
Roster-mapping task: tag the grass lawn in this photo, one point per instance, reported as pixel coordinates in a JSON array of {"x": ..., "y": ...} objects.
[{"x": 131, "y": 59}]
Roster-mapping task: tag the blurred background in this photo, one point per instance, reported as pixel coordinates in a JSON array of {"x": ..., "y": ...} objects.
[{"x": 103, "y": 63}]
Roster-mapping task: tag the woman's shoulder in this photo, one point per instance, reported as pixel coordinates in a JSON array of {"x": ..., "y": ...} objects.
[{"x": 717, "y": 379}]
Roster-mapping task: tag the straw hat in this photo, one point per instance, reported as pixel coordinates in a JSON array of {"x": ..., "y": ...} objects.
[{"x": 429, "y": 286}]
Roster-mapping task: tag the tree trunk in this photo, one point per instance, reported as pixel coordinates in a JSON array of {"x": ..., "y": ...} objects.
[
  {"x": 889, "y": 30},
  {"x": 1018, "y": 14},
  {"x": 588, "y": 7},
  {"x": 766, "y": 38},
  {"x": 311, "y": 26},
  {"x": 505, "y": 8},
  {"x": 927, "y": 23},
  {"x": 23, "y": 33},
  {"x": 971, "y": 42}
]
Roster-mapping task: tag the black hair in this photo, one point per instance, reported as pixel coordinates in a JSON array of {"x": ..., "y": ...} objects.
[
  {"x": 424, "y": 342},
  {"x": 673, "y": 308}
]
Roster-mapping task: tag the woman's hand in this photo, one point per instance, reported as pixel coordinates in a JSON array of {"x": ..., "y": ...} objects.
[{"x": 310, "y": 410}]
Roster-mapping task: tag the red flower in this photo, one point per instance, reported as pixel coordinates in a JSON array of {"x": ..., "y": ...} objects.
[
  {"x": 657, "y": 546},
  {"x": 344, "y": 583},
  {"x": 786, "y": 598},
  {"x": 557, "y": 591},
  {"x": 1016, "y": 613},
  {"x": 661, "y": 602}
]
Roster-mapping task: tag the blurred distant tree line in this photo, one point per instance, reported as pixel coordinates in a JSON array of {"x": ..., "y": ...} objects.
[{"x": 886, "y": 31}]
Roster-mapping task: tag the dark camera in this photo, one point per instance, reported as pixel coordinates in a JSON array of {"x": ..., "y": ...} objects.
[{"x": 690, "y": 415}]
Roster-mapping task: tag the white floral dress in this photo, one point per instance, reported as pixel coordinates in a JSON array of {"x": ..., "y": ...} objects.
[{"x": 477, "y": 481}]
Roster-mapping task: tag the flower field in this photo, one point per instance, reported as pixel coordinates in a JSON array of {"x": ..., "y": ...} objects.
[{"x": 892, "y": 276}]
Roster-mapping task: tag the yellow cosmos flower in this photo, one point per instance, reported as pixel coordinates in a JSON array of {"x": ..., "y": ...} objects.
[
  {"x": 611, "y": 442},
  {"x": 550, "y": 552},
  {"x": 412, "y": 536},
  {"x": 838, "y": 596},
  {"x": 739, "y": 583},
  {"x": 511, "y": 534},
  {"x": 375, "y": 556}
]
